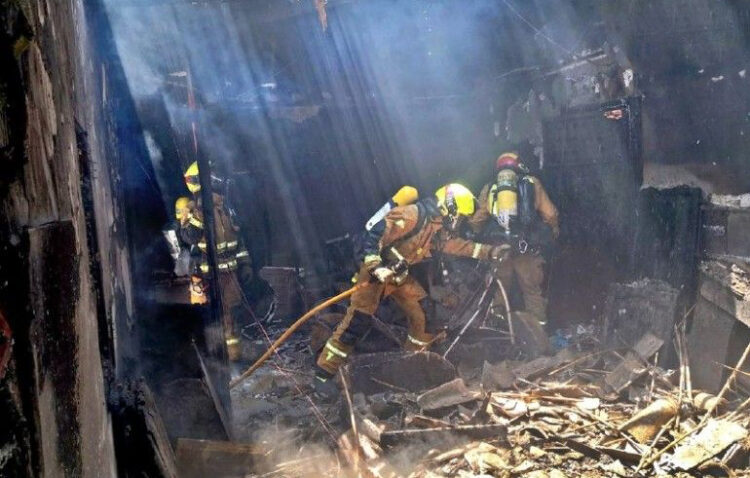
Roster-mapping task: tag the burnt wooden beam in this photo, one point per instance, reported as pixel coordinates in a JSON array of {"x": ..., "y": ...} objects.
[
  {"x": 393, "y": 438},
  {"x": 144, "y": 447},
  {"x": 200, "y": 458}
]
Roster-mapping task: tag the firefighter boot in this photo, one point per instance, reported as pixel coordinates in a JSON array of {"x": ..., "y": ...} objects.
[
  {"x": 352, "y": 327},
  {"x": 325, "y": 386},
  {"x": 333, "y": 356},
  {"x": 197, "y": 291}
]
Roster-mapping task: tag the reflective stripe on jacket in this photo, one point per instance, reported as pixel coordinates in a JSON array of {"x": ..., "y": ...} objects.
[{"x": 398, "y": 228}]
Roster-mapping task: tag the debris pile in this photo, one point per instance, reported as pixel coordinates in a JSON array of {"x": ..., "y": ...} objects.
[
  {"x": 587, "y": 410},
  {"x": 578, "y": 413}
]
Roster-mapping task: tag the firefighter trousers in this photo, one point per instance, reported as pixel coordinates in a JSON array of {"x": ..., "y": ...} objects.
[
  {"x": 357, "y": 320},
  {"x": 528, "y": 270},
  {"x": 231, "y": 302}
]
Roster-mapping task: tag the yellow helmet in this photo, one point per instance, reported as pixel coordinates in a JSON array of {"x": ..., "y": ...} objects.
[
  {"x": 192, "y": 180},
  {"x": 406, "y": 195},
  {"x": 455, "y": 200},
  {"x": 180, "y": 205}
]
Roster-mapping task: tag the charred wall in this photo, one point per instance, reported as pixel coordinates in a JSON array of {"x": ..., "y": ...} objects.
[
  {"x": 692, "y": 64},
  {"x": 65, "y": 271}
]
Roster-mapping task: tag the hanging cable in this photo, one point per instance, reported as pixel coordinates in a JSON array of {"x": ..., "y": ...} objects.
[{"x": 537, "y": 30}]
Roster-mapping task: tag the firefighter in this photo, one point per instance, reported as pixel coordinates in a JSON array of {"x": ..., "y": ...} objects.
[
  {"x": 516, "y": 210},
  {"x": 405, "y": 236},
  {"x": 232, "y": 259},
  {"x": 184, "y": 208}
]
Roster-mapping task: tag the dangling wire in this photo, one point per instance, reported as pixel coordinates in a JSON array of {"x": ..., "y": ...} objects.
[{"x": 536, "y": 30}]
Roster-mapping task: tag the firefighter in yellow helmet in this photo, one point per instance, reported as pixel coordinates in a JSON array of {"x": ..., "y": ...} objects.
[
  {"x": 184, "y": 212},
  {"x": 192, "y": 180},
  {"x": 405, "y": 236},
  {"x": 233, "y": 260},
  {"x": 182, "y": 207},
  {"x": 516, "y": 210}
]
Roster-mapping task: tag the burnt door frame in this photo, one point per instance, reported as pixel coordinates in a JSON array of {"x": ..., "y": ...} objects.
[{"x": 593, "y": 171}]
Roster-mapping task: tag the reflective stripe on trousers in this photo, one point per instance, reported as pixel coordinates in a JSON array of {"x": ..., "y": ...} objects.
[
  {"x": 335, "y": 350},
  {"x": 417, "y": 342}
]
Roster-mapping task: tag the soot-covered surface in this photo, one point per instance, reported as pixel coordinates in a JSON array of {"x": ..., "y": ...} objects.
[{"x": 54, "y": 280}]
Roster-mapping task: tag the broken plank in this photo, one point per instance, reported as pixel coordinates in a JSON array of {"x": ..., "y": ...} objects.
[
  {"x": 540, "y": 365},
  {"x": 624, "y": 456},
  {"x": 200, "y": 458},
  {"x": 421, "y": 421},
  {"x": 717, "y": 436},
  {"x": 369, "y": 428},
  {"x": 393, "y": 438},
  {"x": 582, "y": 448},
  {"x": 634, "y": 364},
  {"x": 446, "y": 395}
]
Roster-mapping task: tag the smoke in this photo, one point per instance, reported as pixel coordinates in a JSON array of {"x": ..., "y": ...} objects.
[
  {"x": 329, "y": 124},
  {"x": 320, "y": 127},
  {"x": 392, "y": 93},
  {"x": 287, "y": 456}
]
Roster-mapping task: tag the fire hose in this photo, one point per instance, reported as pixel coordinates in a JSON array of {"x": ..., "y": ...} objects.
[
  {"x": 296, "y": 325},
  {"x": 328, "y": 302}
]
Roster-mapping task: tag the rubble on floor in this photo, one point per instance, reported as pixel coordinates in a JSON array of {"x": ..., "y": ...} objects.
[
  {"x": 564, "y": 418},
  {"x": 581, "y": 412}
]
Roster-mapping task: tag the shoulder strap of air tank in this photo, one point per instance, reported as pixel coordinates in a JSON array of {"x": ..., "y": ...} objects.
[
  {"x": 421, "y": 220},
  {"x": 492, "y": 193}
]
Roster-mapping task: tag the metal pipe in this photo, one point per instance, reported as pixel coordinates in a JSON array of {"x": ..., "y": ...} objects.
[{"x": 507, "y": 310}]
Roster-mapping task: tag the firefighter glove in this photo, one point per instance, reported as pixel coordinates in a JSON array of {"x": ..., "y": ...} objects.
[
  {"x": 382, "y": 274},
  {"x": 372, "y": 261}
]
